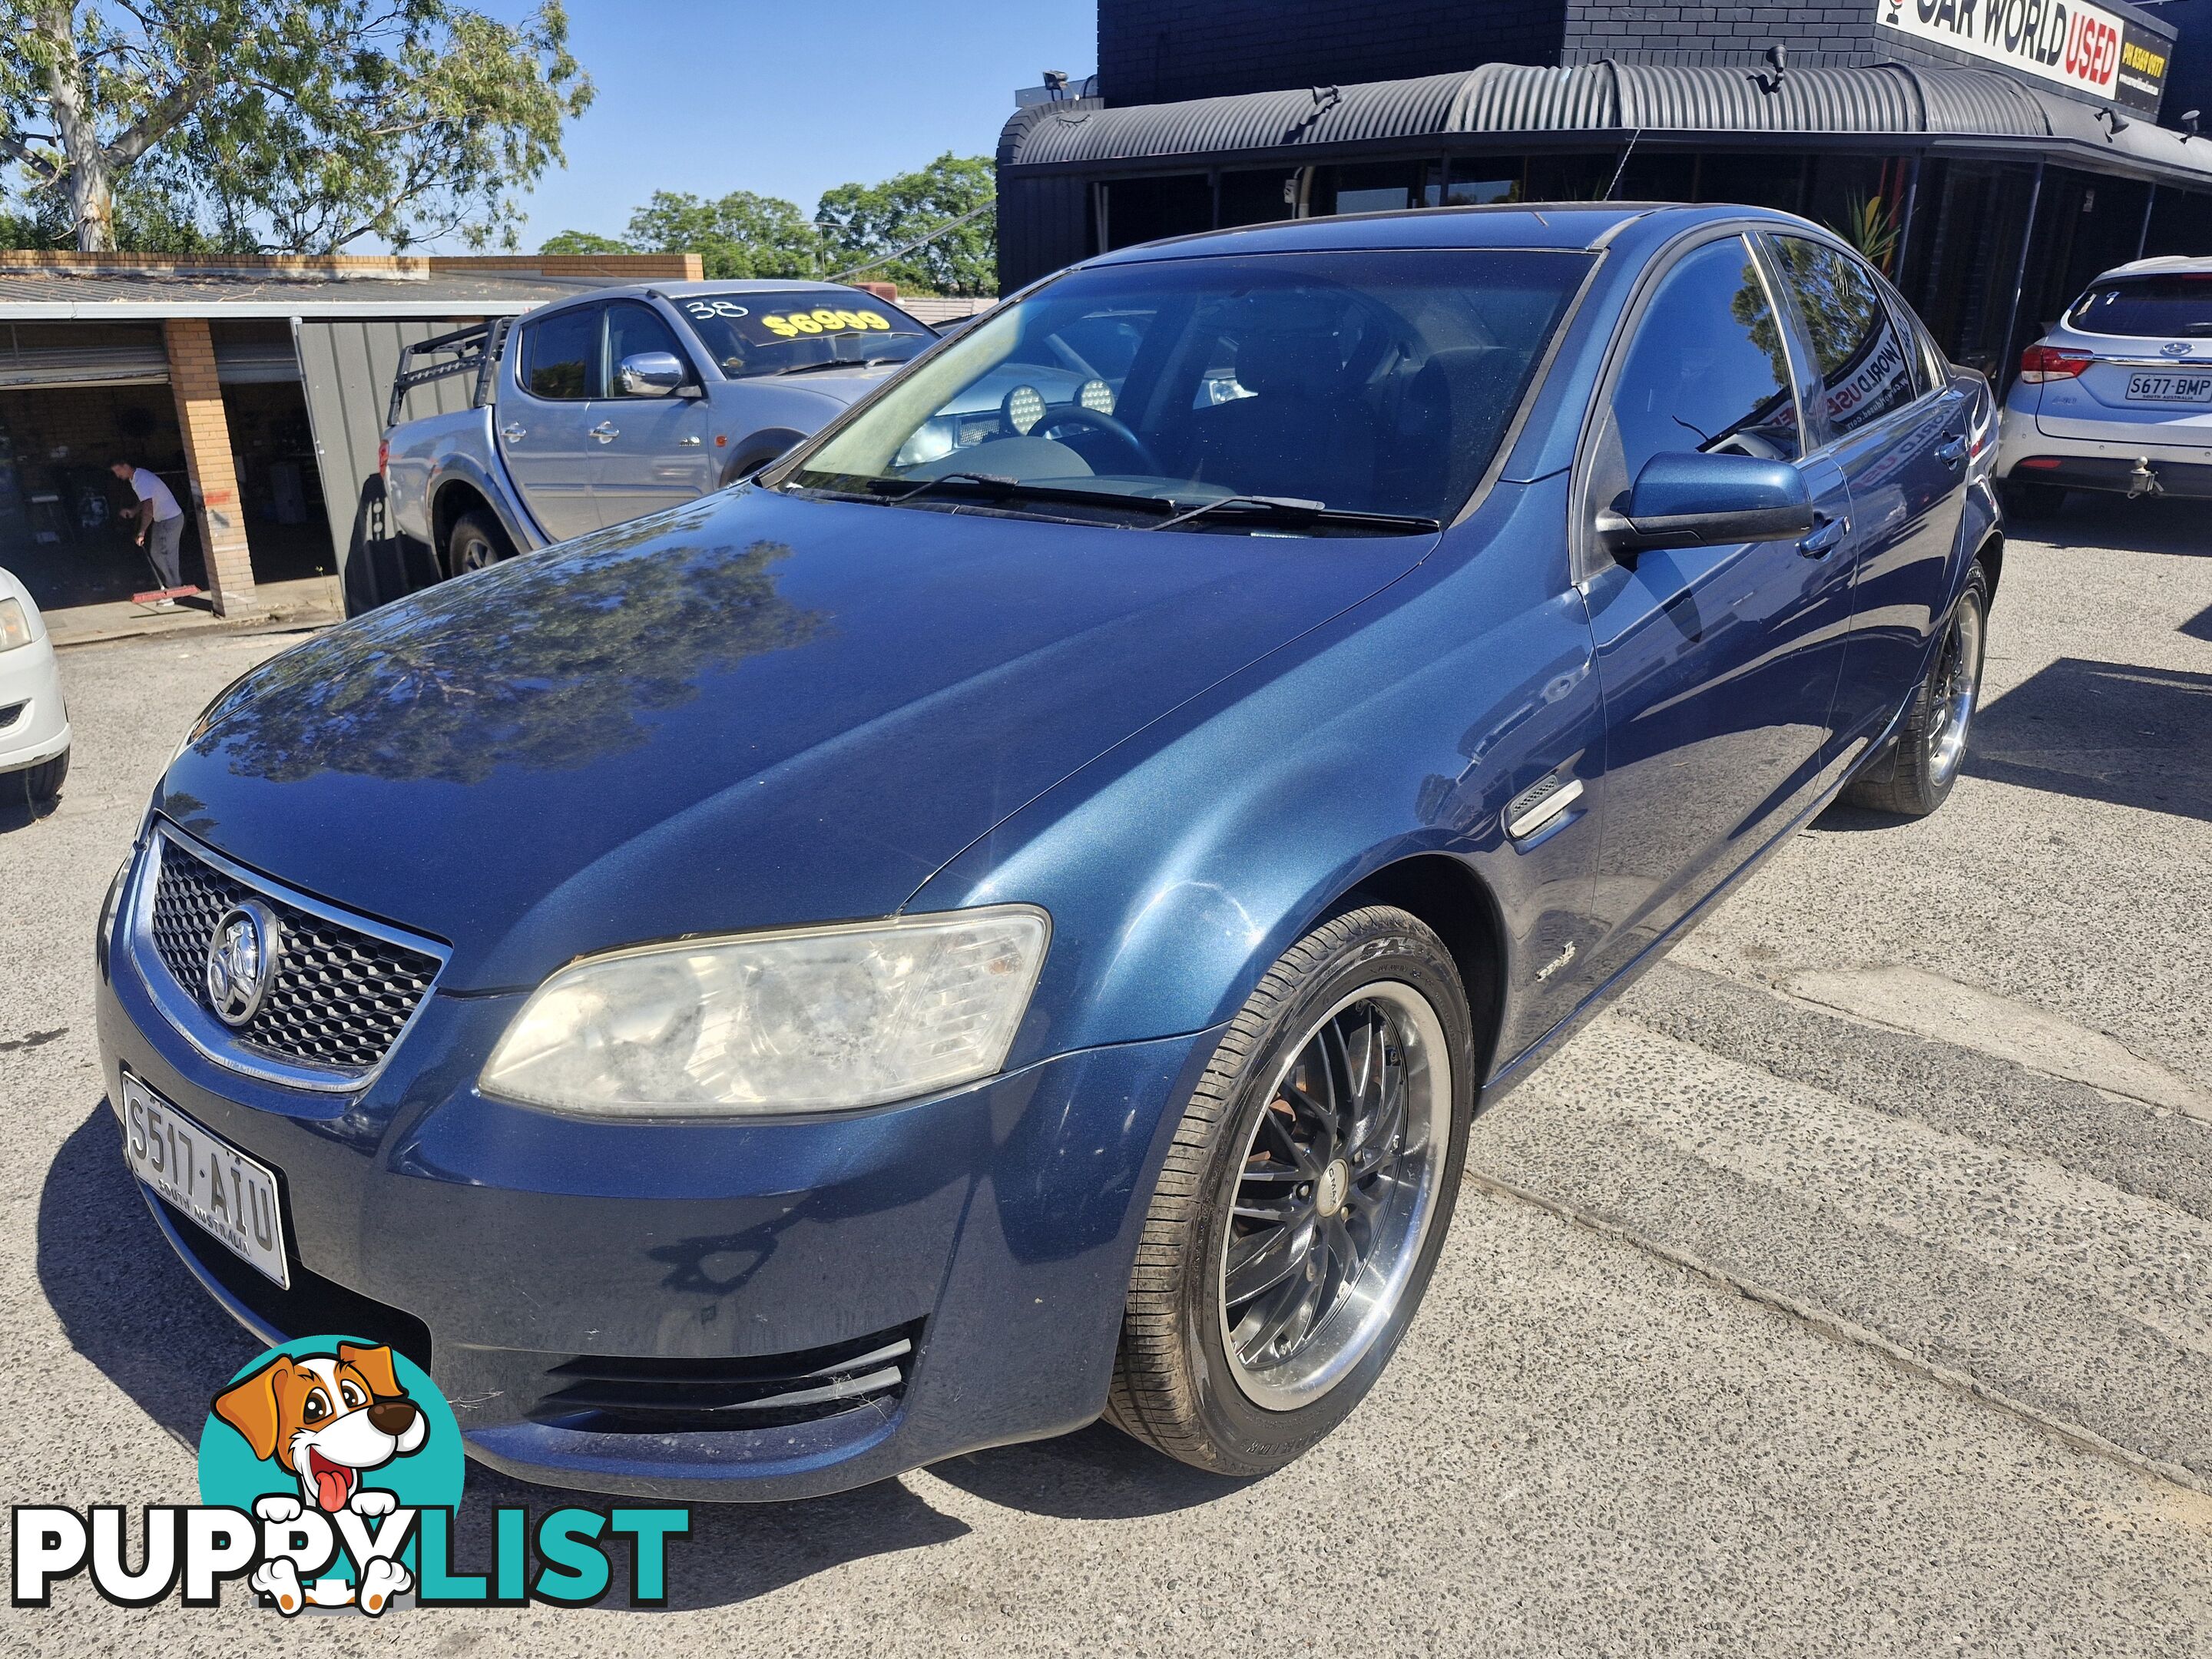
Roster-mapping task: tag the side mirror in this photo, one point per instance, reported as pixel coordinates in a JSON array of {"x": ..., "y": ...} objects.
[
  {"x": 1693, "y": 500},
  {"x": 651, "y": 375}
]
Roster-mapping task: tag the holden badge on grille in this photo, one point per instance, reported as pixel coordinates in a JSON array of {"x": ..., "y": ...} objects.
[{"x": 241, "y": 961}]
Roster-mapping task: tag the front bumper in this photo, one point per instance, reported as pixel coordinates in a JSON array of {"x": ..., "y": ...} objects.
[
  {"x": 34, "y": 721},
  {"x": 995, "y": 1225}
]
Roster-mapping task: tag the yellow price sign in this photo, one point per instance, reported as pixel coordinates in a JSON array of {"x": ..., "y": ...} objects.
[{"x": 824, "y": 320}]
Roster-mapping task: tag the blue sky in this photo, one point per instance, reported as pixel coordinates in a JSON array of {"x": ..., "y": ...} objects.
[{"x": 789, "y": 100}]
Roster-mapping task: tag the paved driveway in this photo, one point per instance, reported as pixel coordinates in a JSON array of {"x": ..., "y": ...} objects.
[{"x": 1847, "y": 1289}]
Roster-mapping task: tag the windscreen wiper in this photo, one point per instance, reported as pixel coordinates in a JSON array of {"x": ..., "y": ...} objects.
[
  {"x": 999, "y": 486},
  {"x": 1297, "y": 511},
  {"x": 840, "y": 362}
]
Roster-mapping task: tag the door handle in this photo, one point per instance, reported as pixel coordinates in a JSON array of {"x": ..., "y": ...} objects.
[
  {"x": 514, "y": 433},
  {"x": 1953, "y": 452},
  {"x": 606, "y": 432},
  {"x": 692, "y": 442},
  {"x": 1827, "y": 536}
]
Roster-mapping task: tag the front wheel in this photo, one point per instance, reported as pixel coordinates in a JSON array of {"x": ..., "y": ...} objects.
[
  {"x": 1932, "y": 745},
  {"x": 42, "y": 784},
  {"x": 1303, "y": 1202}
]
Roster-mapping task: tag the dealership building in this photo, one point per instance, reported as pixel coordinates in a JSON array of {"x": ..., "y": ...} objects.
[{"x": 1994, "y": 154}]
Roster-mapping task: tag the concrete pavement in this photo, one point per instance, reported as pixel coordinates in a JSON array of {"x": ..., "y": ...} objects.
[{"x": 1847, "y": 1309}]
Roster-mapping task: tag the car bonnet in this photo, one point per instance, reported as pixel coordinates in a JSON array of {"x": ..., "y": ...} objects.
[{"x": 749, "y": 712}]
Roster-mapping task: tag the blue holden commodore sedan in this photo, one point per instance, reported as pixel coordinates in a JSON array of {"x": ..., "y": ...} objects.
[{"x": 1007, "y": 916}]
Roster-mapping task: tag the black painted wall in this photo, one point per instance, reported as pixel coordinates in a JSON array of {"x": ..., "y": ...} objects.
[
  {"x": 1159, "y": 52},
  {"x": 1153, "y": 51}
]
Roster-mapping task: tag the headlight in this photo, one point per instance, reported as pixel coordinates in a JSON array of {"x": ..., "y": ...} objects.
[
  {"x": 814, "y": 1019},
  {"x": 15, "y": 626}
]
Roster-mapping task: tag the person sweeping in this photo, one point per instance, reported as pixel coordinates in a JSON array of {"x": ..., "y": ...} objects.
[{"x": 161, "y": 524}]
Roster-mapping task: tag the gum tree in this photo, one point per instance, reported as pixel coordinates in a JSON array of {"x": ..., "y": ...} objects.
[{"x": 304, "y": 125}]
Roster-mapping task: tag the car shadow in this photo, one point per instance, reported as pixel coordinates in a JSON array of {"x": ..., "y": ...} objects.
[
  {"x": 2098, "y": 521},
  {"x": 2199, "y": 627},
  {"x": 2102, "y": 731},
  {"x": 130, "y": 1307}
]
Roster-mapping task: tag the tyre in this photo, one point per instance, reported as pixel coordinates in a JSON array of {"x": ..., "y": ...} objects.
[
  {"x": 474, "y": 541},
  {"x": 2031, "y": 501},
  {"x": 42, "y": 783},
  {"x": 1303, "y": 1202},
  {"x": 1933, "y": 743}
]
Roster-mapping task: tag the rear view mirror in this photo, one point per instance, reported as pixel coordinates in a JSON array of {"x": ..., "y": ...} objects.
[
  {"x": 651, "y": 375},
  {"x": 1695, "y": 500}
]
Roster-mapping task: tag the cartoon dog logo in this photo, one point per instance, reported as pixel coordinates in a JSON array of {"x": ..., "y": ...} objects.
[{"x": 326, "y": 1420}]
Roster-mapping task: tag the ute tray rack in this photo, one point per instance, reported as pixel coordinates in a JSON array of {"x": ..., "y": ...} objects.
[{"x": 472, "y": 351}]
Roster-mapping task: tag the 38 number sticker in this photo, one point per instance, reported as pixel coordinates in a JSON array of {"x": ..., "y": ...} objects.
[
  {"x": 822, "y": 319},
  {"x": 704, "y": 309}
]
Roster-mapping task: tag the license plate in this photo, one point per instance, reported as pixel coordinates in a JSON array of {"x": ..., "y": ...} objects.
[
  {"x": 2170, "y": 388},
  {"x": 230, "y": 1196}
]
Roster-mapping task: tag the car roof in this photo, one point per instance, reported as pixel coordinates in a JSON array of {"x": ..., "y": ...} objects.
[
  {"x": 746, "y": 285},
  {"x": 2165, "y": 264},
  {"x": 1568, "y": 226}
]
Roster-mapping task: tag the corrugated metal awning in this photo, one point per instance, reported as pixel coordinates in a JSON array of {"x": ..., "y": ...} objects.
[
  {"x": 1608, "y": 97},
  {"x": 85, "y": 365}
]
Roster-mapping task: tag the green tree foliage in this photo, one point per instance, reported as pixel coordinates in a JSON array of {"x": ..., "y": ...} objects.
[
  {"x": 746, "y": 235},
  {"x": 741, "y": 236},
  {"x": 876, "y": 221},
  {"x": 299, "y": 126}
]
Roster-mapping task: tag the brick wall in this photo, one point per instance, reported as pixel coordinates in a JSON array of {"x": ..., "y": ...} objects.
[
  {"x": 1163, "y": 50},
  {"x": 206, "y": 435}
]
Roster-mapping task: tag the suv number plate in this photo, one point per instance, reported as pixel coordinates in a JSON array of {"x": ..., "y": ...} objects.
[
  {"x": 2170, "y": 388},
  {"x": 228, "y": 1194}
]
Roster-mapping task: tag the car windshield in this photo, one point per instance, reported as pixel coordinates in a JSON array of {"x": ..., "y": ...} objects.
[
  {"x": 752, "y": 334},
  {"x": 1361, "y": 383},
  {"x": 2150, "y": 307}
]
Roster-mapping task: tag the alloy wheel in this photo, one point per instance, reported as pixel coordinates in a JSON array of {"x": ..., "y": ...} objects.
[
  {"x": 1957, "y": 685},
  {"x": 1334, "y": 1195}
]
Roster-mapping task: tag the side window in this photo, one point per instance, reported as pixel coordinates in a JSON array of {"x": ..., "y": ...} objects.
[
  {"x": 1706, "y": 371},
  {"x": 632, "y": 328},
  {"x": 561, "y": 355},
  {"x": 1865, "y": 360}
]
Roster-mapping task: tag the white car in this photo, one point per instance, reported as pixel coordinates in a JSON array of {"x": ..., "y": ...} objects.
[
  {"x": 2118, "y": 396},
  {"x": 35, "y": 729}
]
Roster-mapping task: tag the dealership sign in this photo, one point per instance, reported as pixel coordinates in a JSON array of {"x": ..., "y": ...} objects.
[{"x": 2067, "y": 41}]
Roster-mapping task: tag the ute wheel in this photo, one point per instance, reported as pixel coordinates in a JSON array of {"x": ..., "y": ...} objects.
[
  {"x": 1933, "y": 743},
  {"x": 1303, "y": 1202},
  {"x": 475, "y": 541},
  {"x": 42, "y": 784},
  {"x": 2029, "y": 502}
]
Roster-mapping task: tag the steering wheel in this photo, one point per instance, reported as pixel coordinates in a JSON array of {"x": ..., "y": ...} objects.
[{"x": 1077, "y": 415}]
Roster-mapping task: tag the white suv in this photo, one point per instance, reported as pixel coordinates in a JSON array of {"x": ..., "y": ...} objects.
[{"x": 2118, "y": 396}]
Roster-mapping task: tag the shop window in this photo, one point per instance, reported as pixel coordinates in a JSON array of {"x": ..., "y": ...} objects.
[
  {"x": 2180, "y": 223},
  {"x": 1753, "y": 180},
  {"x": 1576, "y": 178},
  {"x": 1375, "y": 187},
  {"x": 1475, "y": 181},
  {"x": 1258, "y": 198},
  {"x": 1145, "y": 210},
  {"x": 1962, "y": 259}
]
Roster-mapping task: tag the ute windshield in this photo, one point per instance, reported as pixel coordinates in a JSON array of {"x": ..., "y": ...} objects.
[
  {"x": 1342, "y": 393},
  {"x": 755, "y": 334}
]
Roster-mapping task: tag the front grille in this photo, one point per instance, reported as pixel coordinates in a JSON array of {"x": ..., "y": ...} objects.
[
  {"x": 615, "y": 1395},
  {"x": 340, "y": 996}
]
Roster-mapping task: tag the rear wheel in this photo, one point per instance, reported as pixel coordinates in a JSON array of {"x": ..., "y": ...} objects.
[
  {"x": 1303, "y": 1202},
  {"x": 475, "y": 541},
  {"x": 1933, "y": 745},
  {"x": 2029, "y": 502}
]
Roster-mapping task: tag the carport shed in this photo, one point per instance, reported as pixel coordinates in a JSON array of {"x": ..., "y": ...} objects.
[{"x": 277, "y": 370}]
